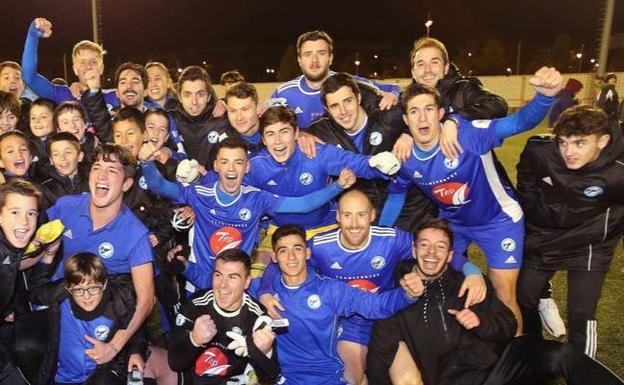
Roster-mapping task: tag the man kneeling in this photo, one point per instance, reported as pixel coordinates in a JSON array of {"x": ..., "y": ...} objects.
[{"x": 438, "y": 341}]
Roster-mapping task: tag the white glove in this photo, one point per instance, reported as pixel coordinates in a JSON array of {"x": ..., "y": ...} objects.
[
  {"x": 239, "y": 342},
  {"x": 187, "y": 171},
  {"x": 385, "y": 162}
]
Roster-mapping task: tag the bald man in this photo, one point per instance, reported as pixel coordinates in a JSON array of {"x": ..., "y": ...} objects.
[{"x": 365, "y": 256}]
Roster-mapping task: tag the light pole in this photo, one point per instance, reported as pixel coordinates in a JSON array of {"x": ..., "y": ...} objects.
[
  {"x": 428, "y": 23},
  {"x": 357, "y": 63},
  {"x": 579, "y": 57}
]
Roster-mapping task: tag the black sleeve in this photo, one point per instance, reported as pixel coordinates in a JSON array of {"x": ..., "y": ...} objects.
[
  {"x": 497, "y": 322},
  {"x": 99, "y": 115},
  {"x": 472, "y": 101},
  {"x": 528, "y": 184},
  {"x": 49, "y": 292},
  {"x": 182, "y": 353},
  {"x": 382, "y": 349},
  {"x": 267, "y": 369}
]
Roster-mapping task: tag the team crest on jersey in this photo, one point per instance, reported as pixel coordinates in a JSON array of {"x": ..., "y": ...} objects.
[
  {"x": 306, "y": 178},
  {"x": 508, "y": 244},
  {"x": 237, "y": 330},
  {"x": 451, "y": 193},
  {"x": 378, "y": 262},
  {"x": 142, "y": 182},
  {"x": 451, "y": 164},
  {"x": 101, "y": 332},
  {"x": 244, "y": 214},
  {"x": 593, "y": 191},
  {"x": 314, "y": 301},
  {"x": 213, "y": 136},
  {"x": 481, "y": 123},
  {"x": 212, "y": 362},
  {"x": 106, "y": 250},
  {"x": 375, "y": 138},
  {"x": 225, "y": 238},
  {"x": 180, "y": 319}
]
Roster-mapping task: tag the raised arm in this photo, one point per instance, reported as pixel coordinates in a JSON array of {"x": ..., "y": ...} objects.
[
  {"x": 157, "y": 184},
  {"x": 39, "y": 28},
  {"x": 315, "y": 200},
  {"x": 547, "y": 83}
]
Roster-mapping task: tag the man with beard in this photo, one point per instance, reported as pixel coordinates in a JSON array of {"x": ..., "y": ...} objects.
[
  {"x": 365, "y": 257},
  {"x": 438, "y": 341},
  {"x": 302, "y": 94}
]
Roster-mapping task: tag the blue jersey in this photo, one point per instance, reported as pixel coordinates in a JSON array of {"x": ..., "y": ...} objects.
[
  {"x": 306, "y": 102},
  {"x": 468, "y": 190},
  {"x": 221, "y": 226},
  {"x": 121, "y": 245},
  {"x": 42, "y": 86},
  {"x": 74, "y": 366},
  {"x": 371, "y": 267},
  {"x": 301, "y": 175},
  {"x": 307, "y": 351}
]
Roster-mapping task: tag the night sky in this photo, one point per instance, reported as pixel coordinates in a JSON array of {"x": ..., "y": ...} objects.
[{"x": 253, "y": 34}]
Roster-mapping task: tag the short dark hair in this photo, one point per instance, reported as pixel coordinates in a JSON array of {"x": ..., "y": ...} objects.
[
  {"x": 336, "y": 82},
  {"x": 129, "y": 114},
  {"x": 66, "y": 107},
  {"x": 62, "y": 136},
  {"x": 19, "y": 186},
  {"x": 242, "y": 90},
  {"x": 286, "y": 230},
  {"x": 120, "y": 154},
  {"x": 83, "y": 266},
  {"x": 236, "y": 255},
  {"x": 232, "y": 143},
  {"x": 155, "y": 111},
  {"x": 312, "y": 36},
  {"x": 278, "y": 114},
  {"x": 415, "y": 89},
  {"x": 44, "y": 102},
  {"x": 8, "y": 101},
  {"x": 437, "y": 224},
  {"x": 231, "y": 77},
  {"x": 139, "y": 69},
  {"x": 192, "y": 73},
  {"x": 581, "y": 120},
  {"x": 429, "y": 42}
]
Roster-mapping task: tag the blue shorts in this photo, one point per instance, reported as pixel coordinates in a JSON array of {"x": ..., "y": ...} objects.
[
  {"x": 355, "y": 329},
  {"x": 501, "y": 242}
]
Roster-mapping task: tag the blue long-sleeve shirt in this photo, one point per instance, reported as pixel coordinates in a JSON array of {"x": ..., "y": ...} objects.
[
  {"x": 42, "y": 86},
  {"x": 300, "y": 175},
  {"x": 224, "y": 221},
  {"x": 454, "y": 184},
  {"x": 306, "y": 101},
  {"x": 307, "y": 351}
]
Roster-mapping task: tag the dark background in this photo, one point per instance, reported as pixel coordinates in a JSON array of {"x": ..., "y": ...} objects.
[{"x": 253, "y": 35}]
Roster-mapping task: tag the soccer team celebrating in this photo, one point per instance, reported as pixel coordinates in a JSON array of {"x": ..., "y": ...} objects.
[{"x": 155, "y": 234}]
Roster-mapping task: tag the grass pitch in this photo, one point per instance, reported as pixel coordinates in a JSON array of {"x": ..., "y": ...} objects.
[{"x": 611, "y": 306}]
